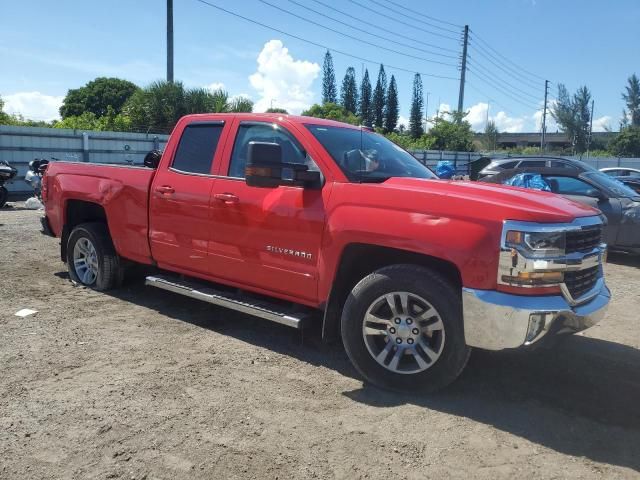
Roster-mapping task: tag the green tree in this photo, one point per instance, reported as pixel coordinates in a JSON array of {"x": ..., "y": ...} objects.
[
  {"x": 349, "y": 91},
  {"x": 572, "y": 113},
  {"x": 392, "y": 110},
  {"x": 332, "y": 111},
  {"x": 417, "y": 103},
  {"x": 97, "y": 96},
  {"x": 4, "y": 117},
  {"x": 454, "y": 135},
  {"x": 329, "y": 89},
  {"x": 632, "y": 100},
  {"x": 490, "y": 137},
  {"x": 159, "y": 106},
  {"x": 364, "y": 109},
  {"x": 626, "y": 143},
  {"x": 276, "y": 110},
  {"x": 379, "y": 98}
]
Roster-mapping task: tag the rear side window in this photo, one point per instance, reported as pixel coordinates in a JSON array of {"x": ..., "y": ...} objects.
[
  {"x": 506, "y": 166},
  {"x": 559, "y": 164},
  {"x": 197, "y": 147},
  {"x": 533, "y": 163}
]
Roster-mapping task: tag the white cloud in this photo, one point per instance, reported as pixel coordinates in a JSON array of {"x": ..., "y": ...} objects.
[
  {"x": 283, "y": 80},
  {"x": 602, "y": 124},
  {"x": 505, "y": 123},
  {"x": 215, "y": 86},
  {"x": 33, "y": 105},
  {"x": 403, "y": 121}
]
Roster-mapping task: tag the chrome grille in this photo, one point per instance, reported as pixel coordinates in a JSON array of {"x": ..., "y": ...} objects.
[
  {"x": 581, "y": 281},
  {"x": 584, "y": 240}
]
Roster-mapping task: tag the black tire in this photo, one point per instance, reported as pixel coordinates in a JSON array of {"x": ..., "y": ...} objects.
[
  {"x": 110, "y": 271},
  {"x": 4, "y": 194},
  {"x": 433, "y": 288}
]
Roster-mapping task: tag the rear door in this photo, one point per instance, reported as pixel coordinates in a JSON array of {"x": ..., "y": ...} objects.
[
  {"x": 268, "y": 238},
  {"x": 179, "y": 213}
]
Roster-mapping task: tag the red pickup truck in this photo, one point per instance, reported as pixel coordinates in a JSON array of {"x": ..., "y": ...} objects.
[{"x": 297, "y": 219}]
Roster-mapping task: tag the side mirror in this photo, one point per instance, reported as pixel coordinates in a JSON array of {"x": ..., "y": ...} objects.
[
  {"x": 152, "y": 159},
  {"x": 266, "y": 169}
]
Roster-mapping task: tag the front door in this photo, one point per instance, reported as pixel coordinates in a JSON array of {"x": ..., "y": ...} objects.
[
  {"x": 179, "y": 218},
  {"x": 268, "y": 238}
]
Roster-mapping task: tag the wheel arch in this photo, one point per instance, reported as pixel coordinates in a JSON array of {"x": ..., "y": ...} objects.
[
  {"x": 358, "y": 260},
  {"x": 77, "y": 212}
]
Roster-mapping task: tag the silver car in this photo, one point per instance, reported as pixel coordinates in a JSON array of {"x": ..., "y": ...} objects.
[{"x": 500, "y": 164}]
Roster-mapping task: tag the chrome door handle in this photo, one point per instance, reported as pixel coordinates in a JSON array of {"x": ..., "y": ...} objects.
[
  {"x": 165, "y": 189},
  {"x": 227, "y": 198}
]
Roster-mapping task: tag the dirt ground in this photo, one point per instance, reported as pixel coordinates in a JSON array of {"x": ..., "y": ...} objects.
[{"x": 142, "y": 383}]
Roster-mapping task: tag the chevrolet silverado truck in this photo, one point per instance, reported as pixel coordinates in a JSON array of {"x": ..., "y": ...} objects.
[{"x": 300, "y": 220}]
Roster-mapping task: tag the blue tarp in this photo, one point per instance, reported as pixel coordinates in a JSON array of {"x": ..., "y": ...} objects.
[
  {"x": 445, "y": 169},
  {"x": 529, "y": 180}
]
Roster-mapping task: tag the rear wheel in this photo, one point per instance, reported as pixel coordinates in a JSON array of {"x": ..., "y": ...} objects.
[
  {"x": 91, "y": 257},
  {"x": 402, "y": 329},
  {"x": 4, "y": 194}
]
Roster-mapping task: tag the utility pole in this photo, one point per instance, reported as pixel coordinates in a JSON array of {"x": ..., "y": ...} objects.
[
  {"x": 170, "y": 41},
  {"x": 590, "y": 128},
  {"x": 463, "y": 69},
  {"x": 543, "y": 146},
  {"x": 486, "y": 122},
  {"x": 426, "y": 113}
]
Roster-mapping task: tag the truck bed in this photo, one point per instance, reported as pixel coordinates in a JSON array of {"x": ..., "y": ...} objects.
[{"x": 123, "y": 192}]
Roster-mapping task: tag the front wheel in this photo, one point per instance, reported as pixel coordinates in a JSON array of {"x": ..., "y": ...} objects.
[
  {"x": 402, "y": 329},
  {"x": 91, "y": 257}
]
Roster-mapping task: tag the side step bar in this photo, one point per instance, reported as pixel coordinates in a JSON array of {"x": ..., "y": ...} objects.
[{"x": 257, "y": 308}]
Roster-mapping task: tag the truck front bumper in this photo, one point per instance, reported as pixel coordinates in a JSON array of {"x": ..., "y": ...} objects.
[{"x": 496, "y": 321}]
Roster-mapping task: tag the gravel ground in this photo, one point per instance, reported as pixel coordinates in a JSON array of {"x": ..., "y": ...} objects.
[{"x": 145, "y": 384}]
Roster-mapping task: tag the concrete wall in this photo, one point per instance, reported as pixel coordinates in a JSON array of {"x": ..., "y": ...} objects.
[{"x": 20, "y": 145}]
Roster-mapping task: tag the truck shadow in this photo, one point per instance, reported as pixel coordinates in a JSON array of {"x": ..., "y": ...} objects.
[
  {"x": 581, "y": 398},
  {"x": 625, "y": 259}
]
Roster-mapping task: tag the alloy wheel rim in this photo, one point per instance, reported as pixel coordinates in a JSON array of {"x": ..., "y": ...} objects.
[
  {"x": 85, "y": 261},
  {"x": 403, "y": 332}
]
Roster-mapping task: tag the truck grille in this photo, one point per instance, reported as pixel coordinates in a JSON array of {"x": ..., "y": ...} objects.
[
  {"x": 580, "y": 282},
  {"x": 584, "y": 240}
]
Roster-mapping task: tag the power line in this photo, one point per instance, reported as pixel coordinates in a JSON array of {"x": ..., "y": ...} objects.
[
  {"x": 490, "y": 58},
  {"x": 506, "y": 84},
  {"x": 378, "y": 27},
  {"x": 398, "y": 52},
  {"x": 489, "y": 82},
  {"x": 488, "y": 97},
  {"x": 423, "y": 15},
  {"x": 368, "y": 32},
  {"x": 386, "y": 16},
  {"x": 505, "y": 58},
  {"x": 413, "y": 18},
  {"x": 324, "y": 47}
]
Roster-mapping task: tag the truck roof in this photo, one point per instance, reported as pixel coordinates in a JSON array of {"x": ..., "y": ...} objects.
[{"x": 291, "y": 118}]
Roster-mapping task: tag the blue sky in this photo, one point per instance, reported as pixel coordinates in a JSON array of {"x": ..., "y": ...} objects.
[{"x": 49, "y": 47}]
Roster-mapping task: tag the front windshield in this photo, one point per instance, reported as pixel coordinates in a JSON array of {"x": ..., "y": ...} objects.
[
  {"x": 366, "y": 156},
  {"x": 614, "y": 186}
]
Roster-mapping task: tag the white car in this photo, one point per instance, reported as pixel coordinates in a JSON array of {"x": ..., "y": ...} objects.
[{"x": 621, "y": 171}]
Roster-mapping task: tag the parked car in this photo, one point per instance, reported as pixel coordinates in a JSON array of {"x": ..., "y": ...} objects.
[
  {"x": 619, "y": 203},
  {"x": 499, "y": 164},
  {"x": 300, "y": 220},
  {"x": 621, "y": 172}
]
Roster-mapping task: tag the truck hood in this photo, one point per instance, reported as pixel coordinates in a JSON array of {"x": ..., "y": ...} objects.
[{"x": 489, "y": 201}]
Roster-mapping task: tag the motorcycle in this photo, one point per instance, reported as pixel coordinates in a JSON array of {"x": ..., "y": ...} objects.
[
  {"x": 7, "y": 173},
  {"x": 34, "y": 175}
]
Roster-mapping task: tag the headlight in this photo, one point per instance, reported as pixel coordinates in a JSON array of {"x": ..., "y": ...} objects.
[{"x": 537, "y": 244}]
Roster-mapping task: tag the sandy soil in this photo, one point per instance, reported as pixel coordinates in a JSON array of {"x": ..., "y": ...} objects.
[{"x": 144, "y": 384}]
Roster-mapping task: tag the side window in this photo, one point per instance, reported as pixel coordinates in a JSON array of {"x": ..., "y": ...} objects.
[
  {"x": 569, "y": 186},
  {"x": 292, "y": 152},
  {"x": 560, "y": 164},
  {"x": 612, "y": 173},
  {"x": 507, "y": 166},
  {"x": 532, "y": 163},
  {"x": 197, "y": 147}
]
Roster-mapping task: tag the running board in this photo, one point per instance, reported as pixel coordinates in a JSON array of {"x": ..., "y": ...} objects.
[{"x": 250, "y": 306}]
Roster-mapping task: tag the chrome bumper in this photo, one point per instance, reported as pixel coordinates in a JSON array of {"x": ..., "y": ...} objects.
[{"x": 495, "y": 320}]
